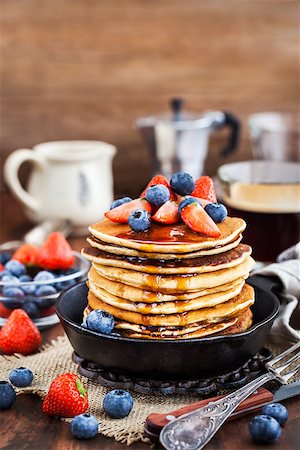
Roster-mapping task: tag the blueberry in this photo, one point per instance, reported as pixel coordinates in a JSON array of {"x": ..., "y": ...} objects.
[
  {"x": 139, "y": 220},
  {"x": 28, "y": 289},
  {"x": 4, "y": 258},
  {"x": 10, "y": 280},
  {"x": 25, "y": 278},
  {"x": 45, "y": 302},
  {"x": 12, "y": 292},
  {"x": 44, "y": 275},
  {"x": 100, "y": 321},
  {"x": 15, "y": 267},
  {"x": 65, "y": 284},
  {"x": 187, "y": 201},
  {"x": 120, "y": 201},
  {"x": 20, "y": 377},
  {"x": 84, "y": 426},
  {"x": 117, "y": 403},
  {"x": 277, "y": 411},
  {"x": 157, "y": 195},
  {"x": 7, "y": 395},
  {"x": 264, "y": 429},
  {"x": 31, "y": 308},
  {"x": 46, "y": 289},
  {"x": 3, "y": 273},
  {"x": 182, "y": 183},
  {"x": 216, "y": 211}
]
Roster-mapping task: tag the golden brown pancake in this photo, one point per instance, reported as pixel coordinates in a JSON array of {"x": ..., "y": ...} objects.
[
  {"x": 166, "y": 239},
  {"x": 201, "y": 264},
  {"x": 227, "y": 309},
  {"x": 175, "y": 283}
]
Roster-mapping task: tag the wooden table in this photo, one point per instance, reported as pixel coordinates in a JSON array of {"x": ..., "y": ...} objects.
[{"x": 24, "y": 426}]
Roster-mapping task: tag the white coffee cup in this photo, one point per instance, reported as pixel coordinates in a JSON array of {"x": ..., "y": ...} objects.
[{"x": 69, "y": 180}]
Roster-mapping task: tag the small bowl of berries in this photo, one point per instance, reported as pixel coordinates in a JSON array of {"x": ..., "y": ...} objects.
[{"x": 31, "y": 278}]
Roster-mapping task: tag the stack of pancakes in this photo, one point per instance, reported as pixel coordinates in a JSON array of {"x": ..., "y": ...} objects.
[{"x": 169, "y": 282}]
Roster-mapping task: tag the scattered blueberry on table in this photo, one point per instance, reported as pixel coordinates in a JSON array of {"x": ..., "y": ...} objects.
[
  {"x": 84, "y": 426},
  {"x": 277, "y": 411},
  {"x": 100, "y": 321},
  {"x": 7, "y": 395},
  {"x": 264, "y": 429},
  {"x": 20, "y": 377},
  {"x": 117, "y": 403}
]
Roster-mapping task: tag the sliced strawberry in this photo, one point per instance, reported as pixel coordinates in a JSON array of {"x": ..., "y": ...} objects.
[
  {"x": 198, "y": 220},
  {"x": 204, "y": 202},
  {"x": 204, "y": 188},
  {"x": 26, "y": 254},
  {"x": 159, "y": 179},
  {"x": 121, "y": 213},
  {"x": 167, "y": 213}
]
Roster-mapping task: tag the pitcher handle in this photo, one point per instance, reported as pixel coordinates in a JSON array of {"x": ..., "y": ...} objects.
[
  {"x": 11, "y": 175},
  {"x": 233, "y": 122}
]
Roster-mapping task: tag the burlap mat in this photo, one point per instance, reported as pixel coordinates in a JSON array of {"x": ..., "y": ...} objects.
[{"x": 55, "y": 359}]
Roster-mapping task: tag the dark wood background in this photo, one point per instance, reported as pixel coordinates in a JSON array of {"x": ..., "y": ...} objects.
[{"x": 86, "y": 69}]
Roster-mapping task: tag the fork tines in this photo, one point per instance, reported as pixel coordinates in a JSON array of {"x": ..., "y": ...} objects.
[{"x": 283, "y": 363}]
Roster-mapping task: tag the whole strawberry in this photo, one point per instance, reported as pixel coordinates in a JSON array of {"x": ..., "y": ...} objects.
[
  {"x": 204, "y": 188},
  {"x": 26, "y": 254},
  {"x": 67, "y": 397},
  {"x": 55, "y": 253},
  {"x": 19, "y": 334}
]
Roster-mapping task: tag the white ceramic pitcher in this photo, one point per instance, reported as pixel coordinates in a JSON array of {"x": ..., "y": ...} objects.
[{"x": 70, "y": 180}]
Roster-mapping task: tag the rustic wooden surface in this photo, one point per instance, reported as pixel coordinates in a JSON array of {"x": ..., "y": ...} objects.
[
  {"x": 25, "y": 427},
  {"x": 86, "y": 69}
]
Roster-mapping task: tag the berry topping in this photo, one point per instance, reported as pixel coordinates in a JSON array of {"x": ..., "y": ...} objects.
[
  {"x": 157, "y": 195},
  {"x": 187, "y": 201},
  {"x": 264, "y": 429},
  {"x": 67, "y": 397},
  {"x": 15, "y": 267},
  {"x": 19, "y": 334},
  {"x": 117, "y": 403},
  {"x": 7, "y": 395},
  {"x": 55, "y": 253},
  {"x": 120, "y": 201},
  {"x": 20, "y": 377},
  {"x": 204, "y": 188},
  {"x": 216, "y": 211},
  {"x": 100, "y": 321},
  {"x": 182, "y": 183},
  {"x": 26, "y": 254},
  {"x": 198, "y": 220},
  {"x": 121, "y": 213},
  {"x": 167, "y": 213},
  {"x": 159, "y": 179},
  {"x": 84, "y": 426},
  {"x": 139, "y": 220},
  {"x": 277, "y": 411}
]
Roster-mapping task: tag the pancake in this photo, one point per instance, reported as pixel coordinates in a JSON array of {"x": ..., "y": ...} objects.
[
  {"x": 117, "y": 250},
  {"x": 199, "y": 264},
  {"x": 135, "y": 294},
  {"x": 227, "y": 309},
  {"x": 176, "y": 283},
  {"x": 166, "y": 239},
  {"x": 174, "y": 307}
]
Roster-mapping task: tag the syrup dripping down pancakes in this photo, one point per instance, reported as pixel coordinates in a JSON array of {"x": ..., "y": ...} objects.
[{"x": 170, "y": 282}]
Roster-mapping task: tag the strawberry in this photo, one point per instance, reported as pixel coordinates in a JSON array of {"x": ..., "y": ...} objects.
[
  {"x": 67, "y": 397},
  {"x": 1, "y": 268},
  {"x": 167, "y": 213},
  {"x": 19, "y": 334},
  {"x": 121, "y": 213},
  {"x": 26, "y": 254},
  {"x": 159, "y": 179},
  {"x": 198, "y": 220},
  {"x": 55, "y": 253},
  {"x": 204, "y": 188},
  {"x": 4, "y": 312}
]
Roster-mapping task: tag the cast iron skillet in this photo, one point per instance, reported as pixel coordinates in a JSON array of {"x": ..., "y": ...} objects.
[{"x": 173, "y": 359}]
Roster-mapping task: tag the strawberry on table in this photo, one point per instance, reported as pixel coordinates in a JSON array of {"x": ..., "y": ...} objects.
[
  {"x": 198, "y": 220},
  {"x": 67, "y": 397},
  {"x": 121, "y": 213},
  {"x": 55, "y": 253},
  {"x": 159, "y": 179},
  {"x": 204, "y": 189},
  {"x": 19, "y": 334},
  {"x": 167, "y": 213},
  {"x": 26, "y": 254}
]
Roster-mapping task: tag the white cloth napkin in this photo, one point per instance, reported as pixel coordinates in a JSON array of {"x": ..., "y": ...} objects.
[{"x": 287, "y": 270}]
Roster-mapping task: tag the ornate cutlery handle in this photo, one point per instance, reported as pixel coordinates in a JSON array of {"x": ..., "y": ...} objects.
[{"x": 193, "y": 430}]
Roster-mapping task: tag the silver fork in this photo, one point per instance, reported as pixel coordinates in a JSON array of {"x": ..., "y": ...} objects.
[{"x": 193, "y": 430}]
